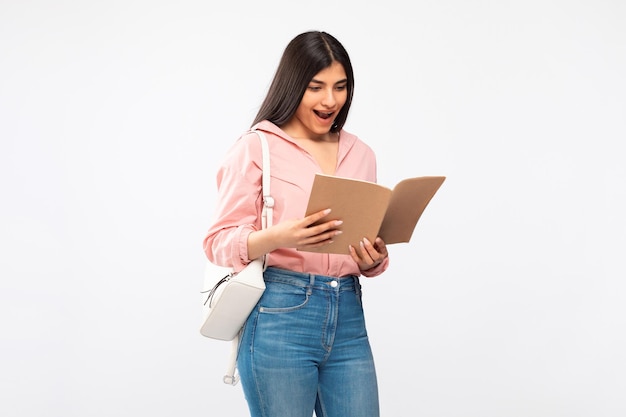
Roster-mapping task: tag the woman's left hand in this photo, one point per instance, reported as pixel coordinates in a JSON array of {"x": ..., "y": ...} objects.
[{"x": 369, "y": 255}]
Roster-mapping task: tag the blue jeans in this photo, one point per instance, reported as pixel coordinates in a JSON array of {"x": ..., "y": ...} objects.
[{"x": 305, "y": 348}]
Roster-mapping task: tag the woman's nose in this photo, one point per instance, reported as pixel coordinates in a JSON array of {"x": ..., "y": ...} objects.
[{"x": 329, "y": 99}]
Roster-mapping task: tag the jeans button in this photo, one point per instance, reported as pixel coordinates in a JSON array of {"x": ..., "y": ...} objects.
[{"x": 333, "y": 283}]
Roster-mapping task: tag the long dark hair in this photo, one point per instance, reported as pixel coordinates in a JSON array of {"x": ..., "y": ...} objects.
[{"x": 306, "y": 55}]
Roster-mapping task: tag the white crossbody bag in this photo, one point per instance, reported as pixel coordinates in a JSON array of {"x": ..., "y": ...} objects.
[{"x": 229, "y": 297}]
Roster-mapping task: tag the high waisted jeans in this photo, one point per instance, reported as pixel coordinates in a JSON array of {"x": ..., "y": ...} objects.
[{"x": 305, "y": 348}]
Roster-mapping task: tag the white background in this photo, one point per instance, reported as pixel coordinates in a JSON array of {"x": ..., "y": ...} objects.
[{"x": 510, "y": 300}]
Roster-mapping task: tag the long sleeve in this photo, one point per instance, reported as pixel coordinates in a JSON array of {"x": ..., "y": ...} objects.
[{"x": 238, "y": 207}]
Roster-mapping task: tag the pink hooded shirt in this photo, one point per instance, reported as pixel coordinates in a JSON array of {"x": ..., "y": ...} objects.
[{"x": 292, "y": 171}]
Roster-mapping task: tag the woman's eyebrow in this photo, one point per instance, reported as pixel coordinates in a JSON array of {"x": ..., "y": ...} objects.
[{"x": 345, "y": 80}]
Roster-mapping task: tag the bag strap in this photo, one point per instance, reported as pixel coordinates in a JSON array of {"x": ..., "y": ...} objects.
[
  {"x": 267, "y": 215},
  {"x": 232, "y": 376}
]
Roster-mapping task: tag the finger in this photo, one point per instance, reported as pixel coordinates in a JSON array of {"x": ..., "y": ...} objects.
[
  {"x": 352, "y": 251},
  {"x": 319, "y": 238},
  {"x": 374, "y": 255},
  {"x": 316, "y": 244},
  {"x": 327, "y": 227},
  {"x": 315, "y": 217},
  {"x": 369, "y": 248},
  {"x": 368, "y": 253},
  {"x": 380, "y": 246},
  {"x": 355, "y": 255}
]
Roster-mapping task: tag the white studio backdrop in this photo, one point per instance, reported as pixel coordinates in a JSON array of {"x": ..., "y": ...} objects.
[{"x": 510, "y": 300}]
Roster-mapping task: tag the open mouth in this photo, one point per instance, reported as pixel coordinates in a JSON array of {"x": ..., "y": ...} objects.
[{"x": 323, "y": 115}]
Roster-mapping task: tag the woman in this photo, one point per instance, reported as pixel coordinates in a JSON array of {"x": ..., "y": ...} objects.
[{"x": 305, "y": 346}]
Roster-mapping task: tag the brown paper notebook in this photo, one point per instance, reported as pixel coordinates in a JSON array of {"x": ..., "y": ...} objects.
[{"x": 369, "y": 209}]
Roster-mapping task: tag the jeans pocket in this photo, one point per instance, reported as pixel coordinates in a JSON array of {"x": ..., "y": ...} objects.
[{"x": 280, "y": 298}]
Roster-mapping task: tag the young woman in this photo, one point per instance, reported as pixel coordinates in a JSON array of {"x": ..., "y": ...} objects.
[{"x": 305, "y": 347}]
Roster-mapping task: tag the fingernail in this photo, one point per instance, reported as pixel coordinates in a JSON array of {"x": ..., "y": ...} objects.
[{"x": 338, "y": 222}]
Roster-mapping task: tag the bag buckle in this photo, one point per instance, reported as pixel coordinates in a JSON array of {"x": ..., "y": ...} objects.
[
  {"x": 231, "y": 379},
  {"x": 268, "y": 200}
]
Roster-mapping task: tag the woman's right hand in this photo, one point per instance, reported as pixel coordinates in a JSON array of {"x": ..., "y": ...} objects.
[
  {"x": 297, "y": 233},
  {"x": 305, "y": 234}
]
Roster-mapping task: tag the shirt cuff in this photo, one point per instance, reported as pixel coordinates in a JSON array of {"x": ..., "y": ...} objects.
[{"x": 240, "y": 247}]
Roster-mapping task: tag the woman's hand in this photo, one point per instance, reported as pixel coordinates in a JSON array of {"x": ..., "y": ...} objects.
[
  {"x": 369, "y": 255},
  {"x": 301, "y": 233},
  {"x": 296, "y": 233}
]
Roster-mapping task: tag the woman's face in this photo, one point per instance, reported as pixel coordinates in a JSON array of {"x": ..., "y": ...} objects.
[{"x": 323, "y": 99}]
